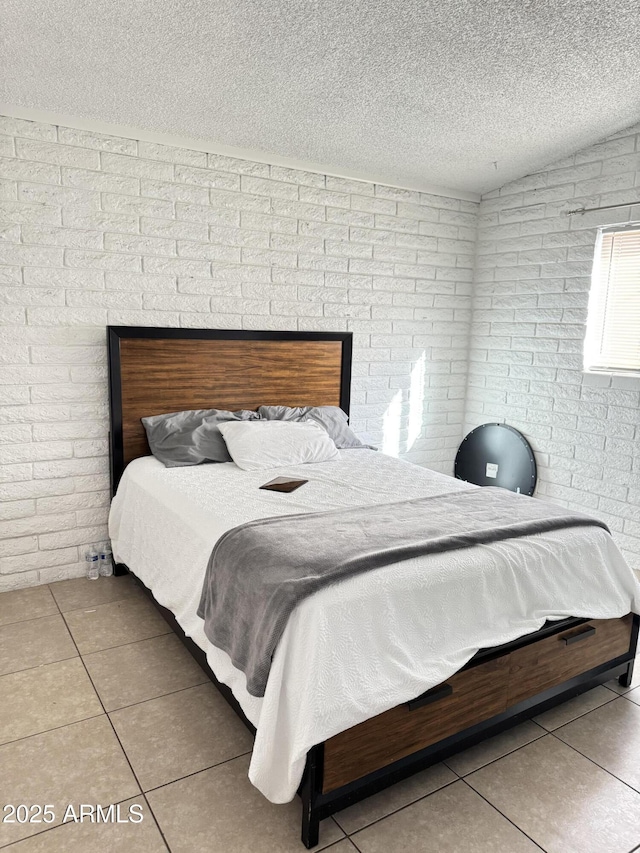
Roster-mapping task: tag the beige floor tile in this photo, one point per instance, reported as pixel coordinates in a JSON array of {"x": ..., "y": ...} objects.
[
  {"x": 179, "y": 734},
  {"x": 453, "y": 820},
  {"x": 80, "y": 763},
  {"x": 633, "y": 695},
  {"x": 561, "y": 800},
  {"x": 344, "y": 846},
  {"x": 115, "y": 624},
  {"x": 141, "y": 671},
  {"x": 104, "y": 837},
  {"x": 394, "y": 798},
  {"x": 36, "y": 700},
  {"x": 34, "y": 643},
  {"x": 574, "y": 708},
  {"x": 219, "y": 810},
  {"x": 477, "y": 756},
  {"x": 610, "y": 736},
  {"x": 20, "y": 604},
  {"x": 79, "y": 593}
]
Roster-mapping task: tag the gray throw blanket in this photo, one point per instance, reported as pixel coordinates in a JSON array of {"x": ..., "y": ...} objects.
[{"x": 258, "y": 572}]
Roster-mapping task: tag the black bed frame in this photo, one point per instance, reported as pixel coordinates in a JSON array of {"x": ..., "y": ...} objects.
[{"x": 316, "y": 805}]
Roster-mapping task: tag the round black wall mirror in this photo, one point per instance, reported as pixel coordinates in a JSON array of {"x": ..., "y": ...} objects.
[{"x": 497, "y": 455}]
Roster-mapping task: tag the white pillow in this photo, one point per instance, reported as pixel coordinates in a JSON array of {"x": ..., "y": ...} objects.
[{"x": 254, "y": 445}]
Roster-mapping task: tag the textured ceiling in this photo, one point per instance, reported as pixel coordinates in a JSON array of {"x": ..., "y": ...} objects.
[{"x": 466, "y": 94}]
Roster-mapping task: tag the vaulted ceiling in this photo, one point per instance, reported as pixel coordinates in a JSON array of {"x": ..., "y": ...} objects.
[{"x": 465, "y": 94}]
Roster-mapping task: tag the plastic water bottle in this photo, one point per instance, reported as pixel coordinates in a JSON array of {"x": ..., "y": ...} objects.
[
  {"x": 106, "y": 561},
  {"x": 93, "y": 563}
]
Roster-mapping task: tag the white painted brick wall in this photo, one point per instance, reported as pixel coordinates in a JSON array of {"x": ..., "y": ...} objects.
[
  {"x": 95, "y": 229},
  {"x": 530, "y": 307}
]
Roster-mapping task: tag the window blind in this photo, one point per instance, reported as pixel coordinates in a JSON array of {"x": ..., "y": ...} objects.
[{"x": 613, "y": 326}]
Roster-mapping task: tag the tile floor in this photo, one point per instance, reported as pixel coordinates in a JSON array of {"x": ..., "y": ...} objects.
[{"x": 100, "y": 703}]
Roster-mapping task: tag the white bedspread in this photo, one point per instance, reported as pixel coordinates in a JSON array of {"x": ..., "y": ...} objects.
[{"x": 362, "y": 646}]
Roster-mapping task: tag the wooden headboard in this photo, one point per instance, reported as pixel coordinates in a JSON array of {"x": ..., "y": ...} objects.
[{"x": 153, "y": 371}]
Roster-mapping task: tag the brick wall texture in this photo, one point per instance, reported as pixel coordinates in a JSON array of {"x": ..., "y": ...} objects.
[
  {"x": 98, "y": 230},
  {"x": 531, "y": 289}
]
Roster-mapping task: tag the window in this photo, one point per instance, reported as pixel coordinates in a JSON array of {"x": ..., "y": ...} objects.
[{"x": 612, "y": 341}]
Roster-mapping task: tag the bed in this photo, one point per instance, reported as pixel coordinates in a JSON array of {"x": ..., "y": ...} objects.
[{"x": 338, "y": 733}]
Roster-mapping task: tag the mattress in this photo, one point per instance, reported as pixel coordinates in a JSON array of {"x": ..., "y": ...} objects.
[{"x": 369, "y": 643}]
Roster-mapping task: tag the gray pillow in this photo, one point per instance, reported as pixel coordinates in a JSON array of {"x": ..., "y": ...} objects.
[
  {"x": 189, "y": 438},
  {"x": 332, "y": 418}
]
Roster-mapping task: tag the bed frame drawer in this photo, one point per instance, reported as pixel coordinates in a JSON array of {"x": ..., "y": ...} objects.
[
  {"x": 463, "y": 700},
  {"x": 546, "y": 663}
]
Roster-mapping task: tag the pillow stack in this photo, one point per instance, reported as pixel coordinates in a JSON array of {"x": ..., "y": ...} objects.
[{"x": 271, "y": 437}]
